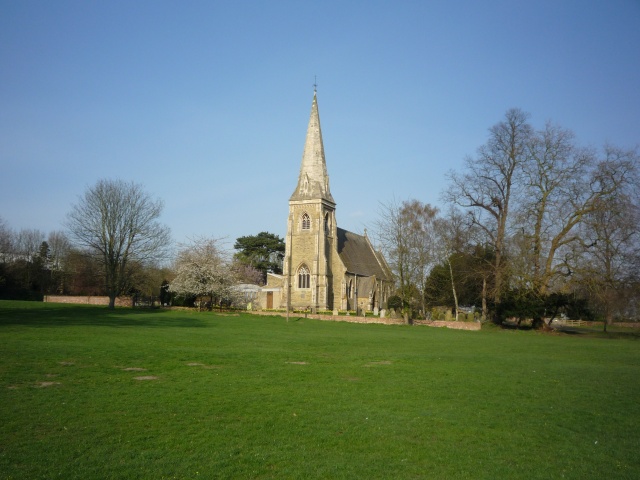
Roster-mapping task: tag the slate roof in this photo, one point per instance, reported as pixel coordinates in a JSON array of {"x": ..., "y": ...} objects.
[{"x": 358, "y": 255}]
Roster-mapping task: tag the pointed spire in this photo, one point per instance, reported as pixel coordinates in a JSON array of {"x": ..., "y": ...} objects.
[{"x": 313, "y": 181}]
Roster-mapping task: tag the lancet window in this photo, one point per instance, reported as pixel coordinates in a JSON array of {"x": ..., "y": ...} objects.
[
  {"x": 304, "y": 277},
  {"x": 306, "y": 221}
]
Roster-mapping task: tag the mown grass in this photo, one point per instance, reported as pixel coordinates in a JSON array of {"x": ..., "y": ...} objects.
[{"x": 257, "y": 397}]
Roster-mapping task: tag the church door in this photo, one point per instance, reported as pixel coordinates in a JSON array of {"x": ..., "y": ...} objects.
[{"x": 269, "y": 299}]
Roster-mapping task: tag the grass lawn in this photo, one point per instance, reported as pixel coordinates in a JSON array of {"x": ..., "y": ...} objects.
[{"x": 131, "y": 394}]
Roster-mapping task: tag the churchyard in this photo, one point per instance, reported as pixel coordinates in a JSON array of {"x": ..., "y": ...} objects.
[{"x": 87, "y": 392}]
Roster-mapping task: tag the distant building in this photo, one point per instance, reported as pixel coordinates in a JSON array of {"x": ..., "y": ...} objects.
[
  {"x": 245, "y": 294},
  {"x": 325, "y": 267}
]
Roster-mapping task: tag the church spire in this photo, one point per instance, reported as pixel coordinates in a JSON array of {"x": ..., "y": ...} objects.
[{"x": 313, "y": 181}]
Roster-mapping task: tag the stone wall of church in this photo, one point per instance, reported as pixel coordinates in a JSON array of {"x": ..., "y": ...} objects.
[{"x": 339, "y": 287}]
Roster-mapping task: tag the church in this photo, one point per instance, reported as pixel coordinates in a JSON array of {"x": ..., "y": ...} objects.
[{"x": 326, "y": 268}]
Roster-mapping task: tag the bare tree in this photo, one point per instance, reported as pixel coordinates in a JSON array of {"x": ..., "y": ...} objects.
[
  {"x": 529, "y": 192},
  {"x": 59, "y": 250},
  {"x": 420, "y": 220},
  {"x": 6, "y": 241},
  {"x": 27, "y": 243},
  {"x": 59, "y": 246},
  {"x": 26, "y": 249},
  {"x": 553, "y": 180},
  {"x": 204, "y": 269},
  {"x": 117, "y": 222},
  {"x": 453, "y": 236},
  {"x": 406, "y": 234},
  {"x": 610, "y": 233},
  {"x": 392, "y": 241},
  {"x": 486, "y": 189},
  {"x": 562, "y": 187},
  {"x": 6, "y": 249}
]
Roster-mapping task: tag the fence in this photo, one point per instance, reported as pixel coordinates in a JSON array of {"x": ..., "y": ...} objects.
[{"x": 571, "y": 323}]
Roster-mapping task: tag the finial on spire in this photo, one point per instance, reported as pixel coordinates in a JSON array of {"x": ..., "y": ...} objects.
[{"x": 315, "y": 84}]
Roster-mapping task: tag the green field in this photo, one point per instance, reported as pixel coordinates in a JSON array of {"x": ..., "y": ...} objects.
[{"x": 131, "y": 394}]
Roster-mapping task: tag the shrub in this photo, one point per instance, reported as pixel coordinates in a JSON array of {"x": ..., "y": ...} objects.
[{"x": 395, "y": 302}]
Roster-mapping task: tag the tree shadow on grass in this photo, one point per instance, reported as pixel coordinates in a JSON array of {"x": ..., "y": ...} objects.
[
  {"x": 591, "y": 332},
  {"x": 35, "y": 314},
  {"x": 630, "y": 334},
  {"x": 583, "y": 332}
]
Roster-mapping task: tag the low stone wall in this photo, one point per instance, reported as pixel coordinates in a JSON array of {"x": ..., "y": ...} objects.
[
  {"x": 334, "y": 318},
  {"x": 454, "y": 325},
  {"x": 88, "y": 300},
  {"x": 372, "y": 319}
]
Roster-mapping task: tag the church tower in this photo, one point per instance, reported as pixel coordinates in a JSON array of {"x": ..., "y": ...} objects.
[{"x": 311, "y": 228}]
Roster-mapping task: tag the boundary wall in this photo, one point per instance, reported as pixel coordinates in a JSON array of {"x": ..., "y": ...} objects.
[
  {"x": 88, "y": 300},
  {"x": 372, "y": 319}
]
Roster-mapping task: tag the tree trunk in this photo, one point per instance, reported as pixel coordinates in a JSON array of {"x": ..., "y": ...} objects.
[
  {"x": 539, "y": 324},
  {"x": 608, "y": 320},
  {"x": 484, "y": 298},
  {"x": 453, "y": 288},
  {"x": 112, "y": 302}
]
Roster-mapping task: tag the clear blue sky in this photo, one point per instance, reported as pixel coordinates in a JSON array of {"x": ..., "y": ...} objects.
[{"x": 206, "y": 103}]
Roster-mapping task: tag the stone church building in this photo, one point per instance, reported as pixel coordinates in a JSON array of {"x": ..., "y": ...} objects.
[{"x": 326, "y": 268}]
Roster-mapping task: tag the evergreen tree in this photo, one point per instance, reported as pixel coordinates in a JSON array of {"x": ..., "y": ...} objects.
[{"x": 264, "y": 252}]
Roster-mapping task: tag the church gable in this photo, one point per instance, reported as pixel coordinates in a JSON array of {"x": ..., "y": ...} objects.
[{"x": 358, "y": 256}]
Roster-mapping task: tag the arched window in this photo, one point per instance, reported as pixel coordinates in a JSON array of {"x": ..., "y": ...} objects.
[
  {"x": 327, "y": 224},
  {"x": 304, "y": 278},
  {"x": 306, "y": 221}
]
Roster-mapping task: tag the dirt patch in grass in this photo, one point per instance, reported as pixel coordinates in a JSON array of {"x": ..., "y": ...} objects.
[
  {"x": 297, "y": 363},
  {"x": 46, "y": 384},
  {"x": 375, "y": 364},
  {"x": 206, "y": 367},
  {"x": 66, "y": 364},
  {"x": 134, "y": 369},
  {"x": 146, "y": 377}
]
